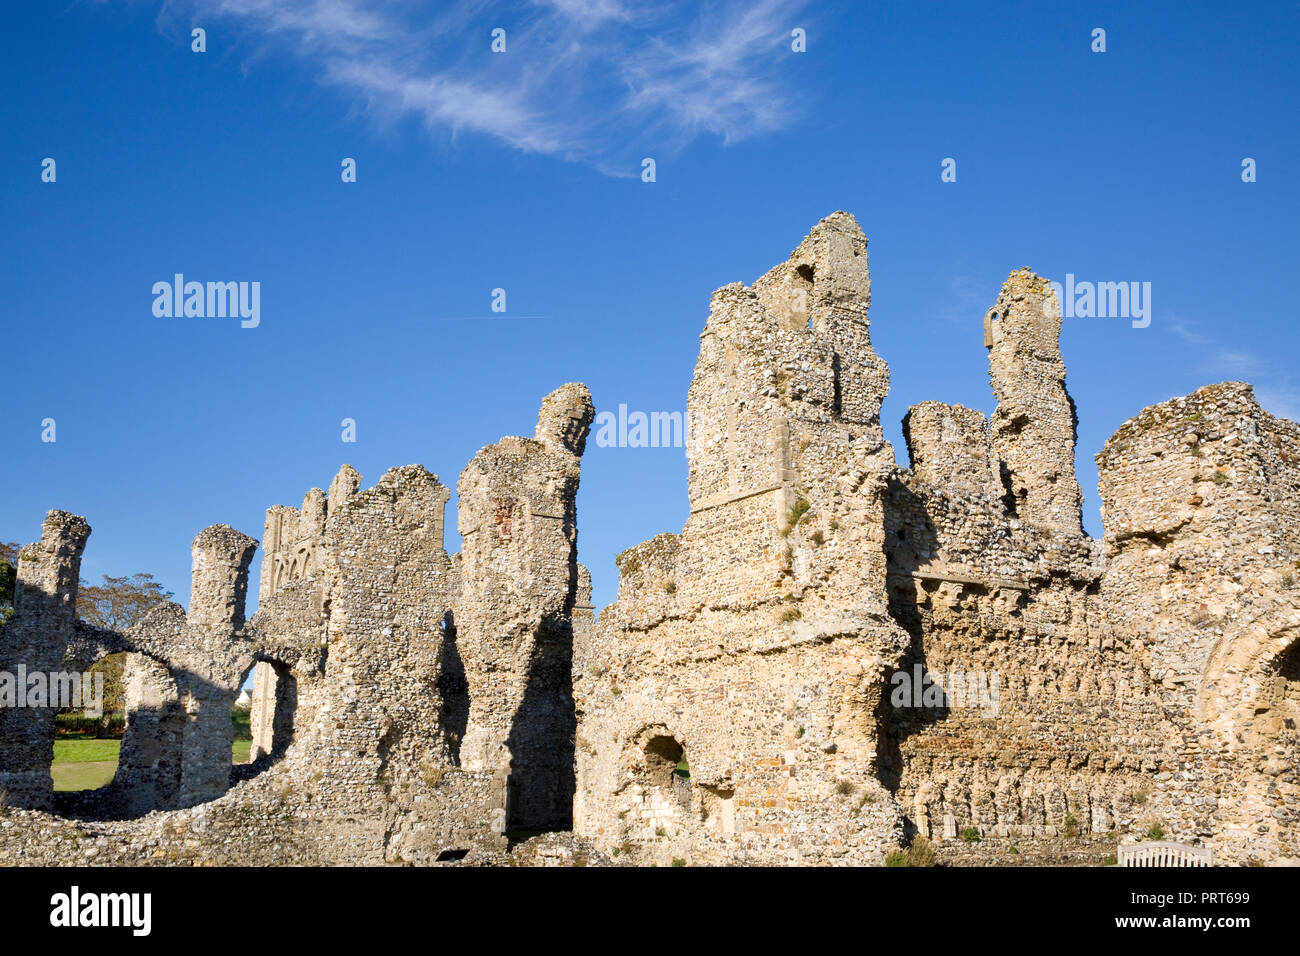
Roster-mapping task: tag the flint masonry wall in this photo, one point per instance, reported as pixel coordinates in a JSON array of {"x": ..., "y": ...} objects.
[
  {"x": 36, "y": 641},
  {"x": 1046, "y": 724},
  {"x": 514, "y": 622},
  {"x": 725, "y": 707},
  {"x": 1199, "y": 500},
  {"x": 989, "y": 575},
  {"x": 358, "y": 751},
  {"x": 740, "y": 701}
]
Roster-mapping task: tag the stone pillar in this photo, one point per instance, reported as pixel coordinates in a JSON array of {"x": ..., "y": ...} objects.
[
  {"x": 514, "y": 621},
  {"x": 262, "y": 716},
  {"x": 34, "y": 643},
  {"x": 219, "y": 582},
  {"x": 48, "y": 572},
  {"x": 149, "y": 767},
  {"x": 1034, "y": 425},
  {"x": 209, "y": 679}
]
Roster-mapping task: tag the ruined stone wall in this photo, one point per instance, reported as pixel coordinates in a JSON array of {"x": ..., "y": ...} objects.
[
  {"x": 1079, "y": 734},
  {"x": 763, "y": 690},
  {"x": 361, "y": 698},
  {"x": 950, "y": 447},
  {"x": 1199, "y": 501},
  {"x": 1045, "y": 723},
  {"x": 37, "y": 641},
  {"x": 726, "y": 707}
]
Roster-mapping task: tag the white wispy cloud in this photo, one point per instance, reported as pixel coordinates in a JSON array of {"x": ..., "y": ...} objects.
[
  {"x": 597, "y": 81},
  {"x": 1215, "y": 357},
  {"x": 1273, "y": 383}
]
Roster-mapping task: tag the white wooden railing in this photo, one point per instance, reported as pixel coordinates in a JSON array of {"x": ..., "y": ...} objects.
[{"x": 1163, "y": 853}]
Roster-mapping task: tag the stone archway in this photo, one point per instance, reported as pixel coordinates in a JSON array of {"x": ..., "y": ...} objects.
[
  {"x": 272, "y": 709},
  {"x": 1248, "y": 712},
  {"x": 1240, "y": 681},
  {"x": 149, "y": 765}
]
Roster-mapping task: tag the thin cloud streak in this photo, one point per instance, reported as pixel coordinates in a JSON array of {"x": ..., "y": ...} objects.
[
  {"x": 1273, "y": 388},
  {"x": 600, "y": 82}
]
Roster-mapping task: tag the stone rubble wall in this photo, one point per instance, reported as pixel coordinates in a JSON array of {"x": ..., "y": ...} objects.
[
  {"x": 1199, "y": 500},
  {"x": 37, "y": 640},
  {"x": 739, "y": 702},
  {"x": 356, "y": 645},
  {"x": 514, "y": 620},
  {"x": 754, "y": 645}
]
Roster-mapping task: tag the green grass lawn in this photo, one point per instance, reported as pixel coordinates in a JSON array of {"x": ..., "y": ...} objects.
[
  {"x": 82, "y": 774},
  {"x": 85, "y": 750},
  {"x": 87, "y": 763}
]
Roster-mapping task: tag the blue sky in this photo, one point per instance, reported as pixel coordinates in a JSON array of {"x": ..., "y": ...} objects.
[{"x": 521, "y": 171}]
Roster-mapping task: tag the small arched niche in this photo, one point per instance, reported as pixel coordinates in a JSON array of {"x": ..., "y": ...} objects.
[{"x": 666, "y": 768}]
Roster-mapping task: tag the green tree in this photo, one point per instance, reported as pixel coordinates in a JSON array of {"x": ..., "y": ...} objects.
[{"x": 117, "y": 604}]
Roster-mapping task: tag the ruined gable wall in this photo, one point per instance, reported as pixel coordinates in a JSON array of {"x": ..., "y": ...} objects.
[{"x": 753, "y": 644}]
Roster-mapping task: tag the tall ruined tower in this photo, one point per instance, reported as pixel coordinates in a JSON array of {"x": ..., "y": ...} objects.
[
  {"x": 1034, "y": 425},
  {"x": 753, "y": 646},
  {"x": 514, "y": 621}
]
